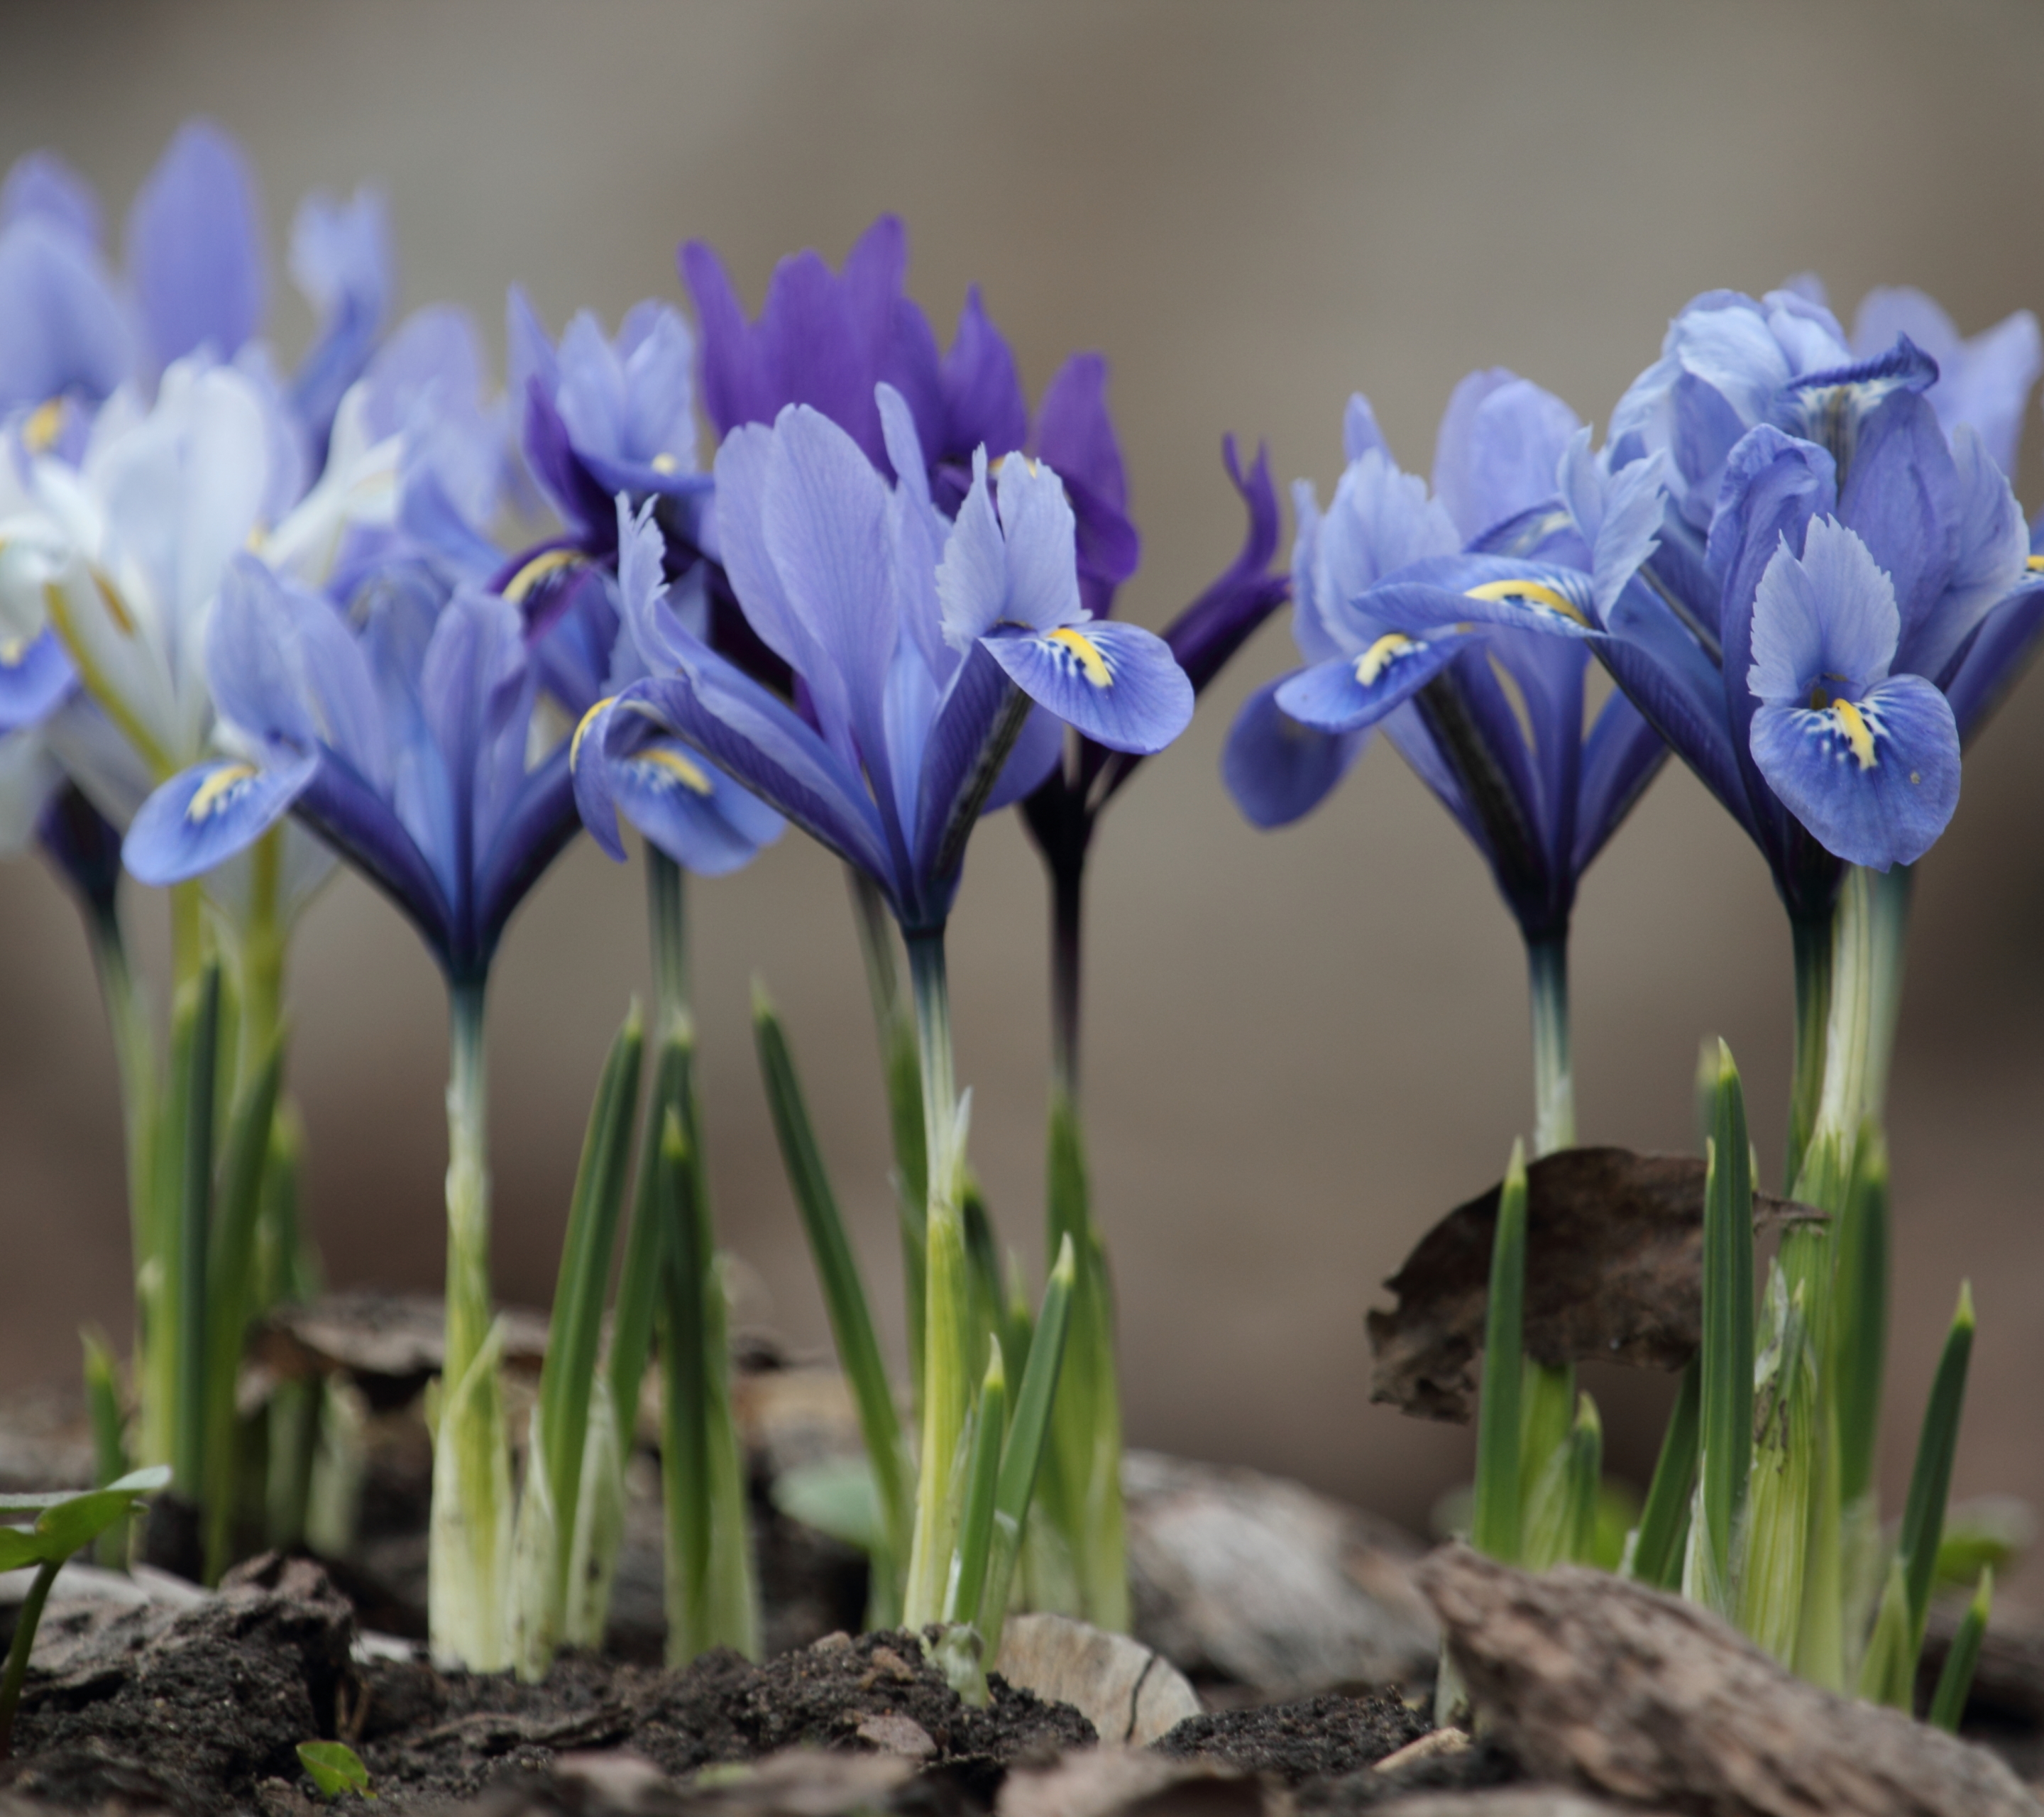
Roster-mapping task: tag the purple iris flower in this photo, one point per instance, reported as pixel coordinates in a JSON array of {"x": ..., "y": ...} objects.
[
  {"x": 827, "y": 339},
  {"x": 196, "y": 278},
  {"x": 920, "y": 646},
  {"x": 399, "y": 732},
  {"x": 1415, "y": 610}
]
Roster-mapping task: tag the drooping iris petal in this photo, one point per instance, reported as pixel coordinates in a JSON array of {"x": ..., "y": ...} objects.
[
  {"x": 1277, "y": 770},
  {"x": 195, "y": 247},
  {"x": 747, "y": 732},
  {"x": 34, "y": 677},
  {"x": 700, "y": 818},
  {"x": 206, "y": 814},
  {"x": 1876, "y": 781},
  {"x": 1115, "y": 684},
  {"x": 1351, "y": 692}
]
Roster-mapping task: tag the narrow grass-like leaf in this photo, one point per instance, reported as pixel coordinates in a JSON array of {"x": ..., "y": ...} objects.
[
  {"x": 194, "y": 1071},
  {"x": 1584, "y": 1479},
  {"x": 1768, "y": 1594},
  {"x": 231, "y": 1292},
  {"x": 982, "y": 1257},
  {"x": 1664, "y": 1521},
  {"x": 1726, "y": 1408},
  {"x": 1859, "y": 1319},
  {"x": 1888, "y": 1673},
  {"x": 568, "y": 1374},
  {"x": 1028, "y": 1431},
  {"x": 1496, "y": 1524},
  {"x": 1955, "y": 1683},
  {"x": 734, "y": 1588},
  {"x": 638, "y": 1281},
  {"x": 982, "y": 1469},
  {"x": 844, "y": 1297},
  {"x": 1546, "y": 1415},
  {"x": 684, "y": 1426},
  {"x": 1930, "y": 1478},
  {"x": 109, "y": 1450}
]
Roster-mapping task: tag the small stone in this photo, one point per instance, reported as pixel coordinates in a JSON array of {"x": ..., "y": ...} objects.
[
  {"x": 887, "y": 1661},
  {"x": 901, "y": 1735}
]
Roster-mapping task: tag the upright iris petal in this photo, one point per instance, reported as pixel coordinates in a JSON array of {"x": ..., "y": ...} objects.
[
  {"x": 1869, "y": 762},
  {"x": 920, "y": 647}
]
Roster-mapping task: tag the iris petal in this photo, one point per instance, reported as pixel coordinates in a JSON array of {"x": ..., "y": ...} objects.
[
  {"x": 1874, "y": 779},
  {"x": 33, "y": 680},
  {"x": 206, "y": 814},
  {"x": 1277, "y": 770},
  {"x": 1117, "y": 684},
  {"x": 1352, "y": 692}
]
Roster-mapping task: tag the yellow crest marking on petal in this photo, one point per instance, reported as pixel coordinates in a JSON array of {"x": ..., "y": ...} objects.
[
  {"x": 548, "y": 562},
  {"x": 664, "y": 463},
  {"x": 12, "y": 651},
  {"x": 1091, "y": 662},
  {"x": 581, "y": 728},
  {"x": 1381, "y": 656},
  {"x": 1859, "y": 734},
  {"x": 39, "y": 433},
  {"x": 1538, "y": 592},
  {"x": 688, "y": 774},
  {"x": 2036, "y": 564},
  {"x": 215, "y": 788}
]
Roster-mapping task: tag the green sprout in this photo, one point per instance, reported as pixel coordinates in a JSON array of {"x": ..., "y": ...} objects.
[
  {"x": 65, "y": 1522},
  {"x": 334, "y": 1767}
]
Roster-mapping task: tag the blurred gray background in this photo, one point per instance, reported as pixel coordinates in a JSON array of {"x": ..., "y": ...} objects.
[{"x": 1302, "y": 1046}]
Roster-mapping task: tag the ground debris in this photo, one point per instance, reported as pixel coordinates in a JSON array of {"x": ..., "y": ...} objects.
[
  {"x": 1614, "y": 1260},
  {"x": 154, "y": 1707},
  {"x": 1322, "y": 1737},
  {"x": 1250, "y": 1579},
  {"x": 1590, "y": 1681}
]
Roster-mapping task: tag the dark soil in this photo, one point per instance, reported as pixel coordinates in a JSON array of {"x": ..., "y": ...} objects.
[
  {"x": 425, "y": 1736},
  {"x": 1323, "y": 1737}
]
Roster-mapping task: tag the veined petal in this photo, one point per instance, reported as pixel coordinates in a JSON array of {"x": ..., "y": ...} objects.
[
  {"x": 1359, "y": 430},
  {"x": 34, "y": 677},
  {"x": 1352, "y": 692},
  {"x": 1901, "y": 494},
  {"x": 1277, "y": 770},
  {"x": 593, "y": 777},
  {"x": 64, "y": 327},
  {"x": 204, "y": 815},
  {"x": 698, "y": 817},
  {"x": 1874, "y": 779},
  {"x": 972, "y": 579},
  {"x": 1500, "y": 440},
  {"x": 971, "y": 740},
  {"x": 1826, "y": 621},
  {"x": 750, "y": 735},
  {"x": 1117, "y": 684},
  {"x": 1622, "y": 754},
  {"x": 1037, "y": 524}
]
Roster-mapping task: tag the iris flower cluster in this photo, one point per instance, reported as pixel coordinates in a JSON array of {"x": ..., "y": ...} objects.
[
  {"x": 1799, "y": 558},
  {"x": 372, "y": 611}
]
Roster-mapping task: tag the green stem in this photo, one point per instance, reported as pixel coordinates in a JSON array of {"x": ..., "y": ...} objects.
[
  {"x": 667, "y": 925},
  {"x": 1894, "y": 892},
  {"x": 1553, "y": 1071},
  {"x": 197, "y": 1068},
  {"x": 16, "y": 1674},
  {"x": 187, "y": 932},
  {"x": 469, "y": 1301},
  {"x": 894, "y": 1022},
  {"x": 1812, "y": 945},
  {"x": 946, "y": 1388}
]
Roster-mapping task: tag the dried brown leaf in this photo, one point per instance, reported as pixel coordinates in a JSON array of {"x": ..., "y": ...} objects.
[{"x": 1613, "y": 1260}]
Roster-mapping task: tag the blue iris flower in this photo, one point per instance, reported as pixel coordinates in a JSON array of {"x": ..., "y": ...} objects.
[
  {"x": 603, "y": 416},
  {"x": 624, "y": 762},
  {"x": 1936, "y": 520},
  {"x": 398, "y": 731},
  {"x": 920, "y": 646},
  {"x": 1428, "y": 614},
  {"x": 196, "y": 280}
]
